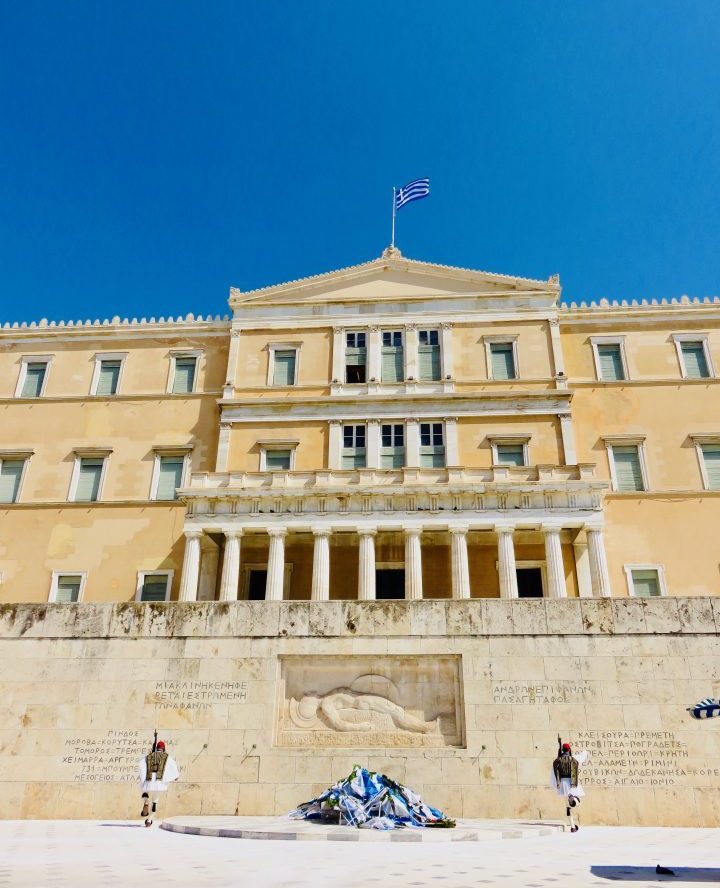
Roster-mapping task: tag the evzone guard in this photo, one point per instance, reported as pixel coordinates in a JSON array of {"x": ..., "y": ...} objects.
[
  {"x": 564, "y": 779},
  {"x": 157, "y": 770}
]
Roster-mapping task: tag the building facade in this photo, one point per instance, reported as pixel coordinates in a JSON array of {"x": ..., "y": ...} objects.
[{"x": 395, "y": 429}]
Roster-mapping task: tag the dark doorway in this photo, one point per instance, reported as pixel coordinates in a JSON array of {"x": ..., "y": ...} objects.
[
  {"x": 390, "y": 583},
  {"x": 256, "y": 585},
  {"x": 355, "y": 373},
  {"x": 529, "y": 580}
]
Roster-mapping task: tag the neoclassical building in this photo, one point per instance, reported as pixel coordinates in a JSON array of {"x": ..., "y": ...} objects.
[{"x": 395, "y": 429}]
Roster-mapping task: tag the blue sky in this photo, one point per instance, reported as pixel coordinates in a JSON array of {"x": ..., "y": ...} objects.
[{"x": 152, "y": 154}]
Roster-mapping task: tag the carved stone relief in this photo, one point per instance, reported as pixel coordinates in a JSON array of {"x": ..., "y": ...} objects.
[{"x": 360, "y": 701}]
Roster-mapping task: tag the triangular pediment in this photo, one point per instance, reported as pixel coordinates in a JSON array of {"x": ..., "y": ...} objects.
[{"x": 391, "y": 279}]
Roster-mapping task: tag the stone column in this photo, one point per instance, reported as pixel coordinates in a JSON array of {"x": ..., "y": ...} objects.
[
  {"x": 231, "y": 374},
  {"x": 460, "y": 566},
  {"x": 411, "y": 352},
  {"x": 230, "y": 578},
  {"x": 335, "y": 444},
  {"x": 412, "y": 443},
  {"x": 373, "y": 444},
  {"x": 338, "y": 354},
  {"x": 446, "y": 355},
  {"x": 451, "y": 442},
  {"x": 568, "y": 439},
  {"x": 223, "y": 450},
  {"x": 554, "y": 563},
  {"x": 209, "y": 561},
  {"x": 506, "y": 563},
  {"x": 413, "y": 564},
  {"x": 366, "y": 570},
  {"x": 191, "y": 566},
  {"x": 321, "y": 565},
  {"x": 599, "y": 576},
  {"x": 374, "y": 353},
  {"x": 276, "y": 565}
]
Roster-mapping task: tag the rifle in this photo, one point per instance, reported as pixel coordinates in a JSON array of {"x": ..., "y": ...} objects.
[
  {"x": 154, "y": 749},
  {"x": 559, "y": 744}
]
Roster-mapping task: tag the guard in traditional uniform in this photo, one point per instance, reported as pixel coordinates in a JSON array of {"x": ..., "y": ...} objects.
[
  {"x": 157, "y": 770},
  {"x": 564, "y": 779}
]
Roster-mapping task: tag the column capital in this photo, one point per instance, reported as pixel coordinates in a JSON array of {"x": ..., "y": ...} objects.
[
  {"x": 504, "y": 528},
  {"x": 235, "y": 334},
  {"x": 412, "y": 326},
  {"x": 372, "y": 421},
  {"x": 373, "y": 328},
  {"x": 459, "y": 528},
  {"x": 322, "y": 531},
  {"x": 450, "y": 419},
  {"x": 338, "y": 329},
  {"x": 367, "y": 531},
  {"x": 593, "y": 528},
  {"x": 194, "y": 534},
  {"x": 233, "y": 533},
  {"x": 335, "y": 422},
  {"x": 277, "y": 531},
  {"x": 447, "y": 325},
  {"x": 551, "y": 528},
  {"x": 413, "y": 531}
]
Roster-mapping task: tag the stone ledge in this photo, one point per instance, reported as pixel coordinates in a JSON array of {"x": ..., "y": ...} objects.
[{"x": 480, "y": 617}]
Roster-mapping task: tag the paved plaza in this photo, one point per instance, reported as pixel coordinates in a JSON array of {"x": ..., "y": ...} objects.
[{"x": 49, "y": 854}]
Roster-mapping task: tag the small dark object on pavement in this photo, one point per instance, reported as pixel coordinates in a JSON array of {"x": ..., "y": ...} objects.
[{"x": 664, "y": 871}]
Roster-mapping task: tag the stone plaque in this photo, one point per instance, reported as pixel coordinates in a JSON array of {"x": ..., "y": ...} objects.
[{"x": 382, "y": 701}]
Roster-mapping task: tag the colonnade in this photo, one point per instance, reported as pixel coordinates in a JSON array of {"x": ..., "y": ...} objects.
[{"x": 230, "y": 577}]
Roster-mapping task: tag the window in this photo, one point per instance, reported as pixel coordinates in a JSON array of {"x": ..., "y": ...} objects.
[
  {"x": 106, "y": 376},
  {"x": 708, "y": 451},
  {"x": 284, "y": 366},
  {"x": 393, "y": 362},
  {"x": 168, "y": 475},
  {"x": 510, "y": 451},
  {"x": 501, "y": 357},
  {"x": 645, "y": 580},
  {"x": 153, "y": 585},
  {"x": 67, "y": 588},
  {"x": 355, "y": 357},
  {"x": 609, "y": 356},
  {"x": 354, "y": 454},
  {"x": 33, "y": 376},
  {"x": 87, "y": 479},
  {"x": 428, "y": 355},
  {"x": 392, "y": 451},
  {"x": 11, "y": 474},
  {"x": 694, "y": 360},
  {"x": 184, "y": 374},
  {"x": 627, "y": 467},
  {"x": 432, "y": 445}
]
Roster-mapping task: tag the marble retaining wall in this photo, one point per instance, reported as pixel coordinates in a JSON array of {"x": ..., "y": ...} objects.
[{"x": 265, "y": 704}]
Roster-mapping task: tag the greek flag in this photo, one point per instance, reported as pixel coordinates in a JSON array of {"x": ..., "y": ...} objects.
[
  {"x": 708, "y": 708},
  {"x": 412, "y": 191}
]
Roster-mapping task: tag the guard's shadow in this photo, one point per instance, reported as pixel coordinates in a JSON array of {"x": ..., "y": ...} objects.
[{"x": 647, "y": 874}]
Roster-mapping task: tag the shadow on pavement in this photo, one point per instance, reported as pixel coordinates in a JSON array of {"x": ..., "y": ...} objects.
[
  {"x": 648, "y": 874},
  {"x": 124, "y": 825}
]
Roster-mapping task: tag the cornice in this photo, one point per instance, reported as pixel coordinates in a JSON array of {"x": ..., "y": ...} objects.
[
  {"x": 37, "y": 331},
  {"x": 640, "y": 311}
]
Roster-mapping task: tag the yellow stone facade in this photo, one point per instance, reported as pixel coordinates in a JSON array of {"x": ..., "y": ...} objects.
[{"x": 97, "y": 416}]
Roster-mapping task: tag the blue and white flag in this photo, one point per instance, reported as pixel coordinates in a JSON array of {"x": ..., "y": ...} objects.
[
  {"x": 412, "y": 191},
  {"x": 708, "y": 708}
]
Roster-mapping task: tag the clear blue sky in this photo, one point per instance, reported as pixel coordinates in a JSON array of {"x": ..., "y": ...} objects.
[{"x": 152, "y": 154}]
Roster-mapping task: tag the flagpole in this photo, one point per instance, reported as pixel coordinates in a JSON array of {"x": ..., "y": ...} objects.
[{"x": 392, "y": 238}]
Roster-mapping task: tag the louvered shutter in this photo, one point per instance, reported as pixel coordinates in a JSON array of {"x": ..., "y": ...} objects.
[
  {"x": 154, "y": 588},
  {"x": 184, "y": 376},
  {"x": 711, "y": 457},
  {"x": 694, "y": 359},
  {"x": 611, "y": 367},
  {"x": 34, "y": 378},
  {"x": 429, "y": 362},
  {"x": 169, "y": 477},
  {"x": 628, "y": 470},
  {"x": 88, "y": 483},
  {"x": 284, "y": 368},
  {"x": 645, "y": 583},
  {"x": 10, "y": 475},
  {"x": 108, "y": 378},
  {"x": 68, "y": 589},
  {"x": 503, "y": 361},
  {"x": 392, "y": 364}
]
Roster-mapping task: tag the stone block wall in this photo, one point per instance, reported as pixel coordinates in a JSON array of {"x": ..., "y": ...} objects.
[{"x": 475, "y": 694}]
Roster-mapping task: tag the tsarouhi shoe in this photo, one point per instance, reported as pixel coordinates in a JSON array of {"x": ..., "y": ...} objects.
[
  {"x": 148, "y": 822},
  {"x": 574, "y": 828}
]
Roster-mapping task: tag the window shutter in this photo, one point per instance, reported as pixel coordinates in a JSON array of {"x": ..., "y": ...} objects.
[
  {"x": 353, "y": 458},
  {"x": 392, "y": 364},
  {"x": 711, "y": 456},
  {"x": 694, "y": 359},
  {"x": 284, "y": 368},
  {"x": 277, "y": 460},
  {"x": 154, "y": 588},
  {"x": 429, "y": 362},
  {"x": 628, "y": 471},
  {"x": 432, "y": 457},
  {"x": 392, "y": 458},
  {"x": 184, "y": 376},
  {"x": 108, "y": 378},
  {"x": 355, "y": 357},
  {"x": 503, "y": 361},
  {"x": 88, "y": 483},
  {"x": 645, "y": 583},
  {"x": 34, "y": 378},
  {"x": 169, "y": 477},
  {"x": 611, "y": 367},
  {"x": 68, "y": 589},
  {"x": 10, "y": 475},
  {"x": 511, "y": 454}
]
